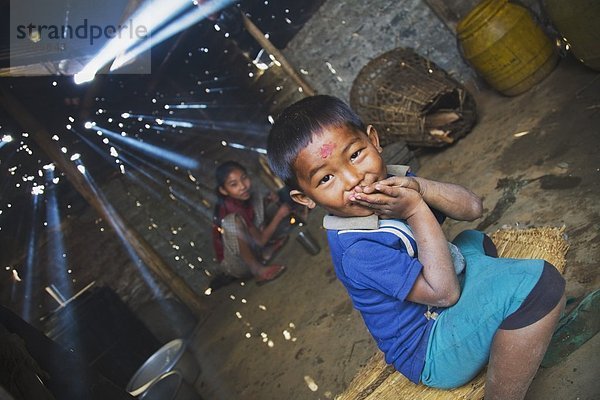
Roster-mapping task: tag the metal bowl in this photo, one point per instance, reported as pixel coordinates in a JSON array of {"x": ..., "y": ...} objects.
[
  {"x": 169, "y": 386},
  {"x": 171, "y": 357}
]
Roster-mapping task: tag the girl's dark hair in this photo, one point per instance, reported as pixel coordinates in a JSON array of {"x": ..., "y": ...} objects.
[
  {"x": 221, "y": 174},
  {"x": 296, "y": 125}
]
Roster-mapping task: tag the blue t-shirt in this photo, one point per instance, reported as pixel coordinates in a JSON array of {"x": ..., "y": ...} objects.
[{"x": 379, "y": 267}]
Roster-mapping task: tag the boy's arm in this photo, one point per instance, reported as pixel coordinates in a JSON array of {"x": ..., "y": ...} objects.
[
  {"x": 437, "y": 285},
  {"x": 456, "y": 201},
  {"x": 387, "y": 197}
]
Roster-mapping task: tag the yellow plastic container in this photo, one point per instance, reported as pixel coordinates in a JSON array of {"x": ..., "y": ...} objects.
[
  {"x": 578, "y": 21},
  {"x": 505, "y": 46}
]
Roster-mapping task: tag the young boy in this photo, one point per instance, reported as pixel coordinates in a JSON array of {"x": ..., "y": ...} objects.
[{"x": 390, "y": 253}]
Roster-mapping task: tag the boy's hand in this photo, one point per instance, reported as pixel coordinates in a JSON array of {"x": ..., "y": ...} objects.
[
  {"x": 398, "y": 181},
  {"x": 396, "y": 197}
]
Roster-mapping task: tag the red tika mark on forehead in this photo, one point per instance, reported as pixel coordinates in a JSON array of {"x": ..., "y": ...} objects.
[{"x": 327, "y": 149}]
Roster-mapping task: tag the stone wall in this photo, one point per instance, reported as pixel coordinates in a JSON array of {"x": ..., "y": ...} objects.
[{"x": 343, "y": 36}]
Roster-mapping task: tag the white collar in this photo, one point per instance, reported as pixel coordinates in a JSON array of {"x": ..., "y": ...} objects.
[{"x": 342, "y": 223}]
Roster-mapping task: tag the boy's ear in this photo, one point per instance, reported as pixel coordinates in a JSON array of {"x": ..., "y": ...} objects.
[
  {"x": 374, "y": 137},
  {"x": 300, "y": 198},
  {"x": 223, "y": 191}
]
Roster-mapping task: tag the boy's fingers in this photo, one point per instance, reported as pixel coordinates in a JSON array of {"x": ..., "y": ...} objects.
[
  {"x": 392, "y": 191},
  {"x": 370, "y": 189},
  {"x": 382, "y": 193},
  {"x": 366, "y": 189},
  {"x": 374, "y": 203},
  {"x": 389, "y": 189},
  {"x": 371, "y": 199},
  {"x": 396, "y": 181},
  {"x": 391, "y": 181},
  {"x": 366, "y": 205},
  {"x": 401, "y": 181}
]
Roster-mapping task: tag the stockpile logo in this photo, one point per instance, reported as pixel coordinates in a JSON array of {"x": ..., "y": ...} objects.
[{"x": 50, "y": 37}]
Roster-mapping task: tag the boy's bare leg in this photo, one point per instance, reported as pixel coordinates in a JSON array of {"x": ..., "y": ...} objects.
[{"x": 516, "y": 355}]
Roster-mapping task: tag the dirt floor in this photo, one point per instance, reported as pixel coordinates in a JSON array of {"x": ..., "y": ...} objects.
[{"x": 269, "y": 342}]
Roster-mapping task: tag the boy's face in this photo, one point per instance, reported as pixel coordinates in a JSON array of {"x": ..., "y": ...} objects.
[{"x": 333, "y": 164}]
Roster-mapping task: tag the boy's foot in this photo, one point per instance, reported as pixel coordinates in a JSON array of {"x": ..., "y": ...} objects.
[
  {"x": 267, "y": 274},
  {"x": 272, "y": 248}
]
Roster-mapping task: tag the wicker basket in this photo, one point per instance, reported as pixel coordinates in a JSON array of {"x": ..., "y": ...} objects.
[
  {"x": 379, "y": 381},
  {"x": 406, "y": 96}
]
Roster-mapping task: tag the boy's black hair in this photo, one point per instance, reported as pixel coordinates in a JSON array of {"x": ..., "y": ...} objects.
[{"x": 296, "y": 125}]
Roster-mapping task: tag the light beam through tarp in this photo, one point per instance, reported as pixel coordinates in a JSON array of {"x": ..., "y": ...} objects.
[
  {"x": 120, "y": 231},
  {"x": 56, "y": 247},
  {"x": 200, "y": 12},
  {"x": 31, "y": 260},
  {"x": 152, "y": 150},
  {"x": 151, "y": 15}
]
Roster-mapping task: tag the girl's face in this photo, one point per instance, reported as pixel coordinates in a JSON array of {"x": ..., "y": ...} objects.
[{"x": 237, "y": 185}]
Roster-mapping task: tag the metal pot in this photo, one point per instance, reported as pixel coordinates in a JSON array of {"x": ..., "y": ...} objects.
[
  {"x": 308, "y": 242},
  {"x": 170, "y": 386},
  {"x": 171, "y": 357}
]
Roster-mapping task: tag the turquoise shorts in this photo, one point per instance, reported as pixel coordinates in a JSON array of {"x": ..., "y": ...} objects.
[{"x": 492, "y": 289}]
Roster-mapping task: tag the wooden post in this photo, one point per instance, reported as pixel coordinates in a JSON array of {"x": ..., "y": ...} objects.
[
  {"x": 143, "y": 249},
  {"x": 450, "y": 12},
  {"x": 269, "y": 47},
  {"x": 444, "y": 13}
]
